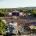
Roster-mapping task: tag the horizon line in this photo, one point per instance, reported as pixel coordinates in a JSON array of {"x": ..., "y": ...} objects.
[{"x": 19, "y": 7}]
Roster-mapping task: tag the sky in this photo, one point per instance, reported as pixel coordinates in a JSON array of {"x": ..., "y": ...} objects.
[{"x": 17, "y": 3}]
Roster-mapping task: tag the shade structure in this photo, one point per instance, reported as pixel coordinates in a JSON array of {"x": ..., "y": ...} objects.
[
  {"x": 10, "y": 13},
  {"x": 20, "y": 13}
]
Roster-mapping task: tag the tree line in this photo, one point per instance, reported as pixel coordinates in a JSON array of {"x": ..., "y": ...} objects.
[{"x": 5, "y": 11}]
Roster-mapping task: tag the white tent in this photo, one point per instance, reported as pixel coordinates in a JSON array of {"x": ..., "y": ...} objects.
[
  {"x": 13, "y": 24},
  {"x": 15, "y": 17}
]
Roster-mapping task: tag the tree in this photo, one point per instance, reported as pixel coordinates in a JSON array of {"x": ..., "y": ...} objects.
[
  {"x": 2, "y": 27},
  {"x": 21, "y": 10},
  {"x": 33, "y": 12}
]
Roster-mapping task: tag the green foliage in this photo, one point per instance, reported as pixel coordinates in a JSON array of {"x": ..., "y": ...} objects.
[
  {"x": 2, "y": 26},
  {"x": 4, "y": 13},
  {"x": 33, "y": 11}
]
